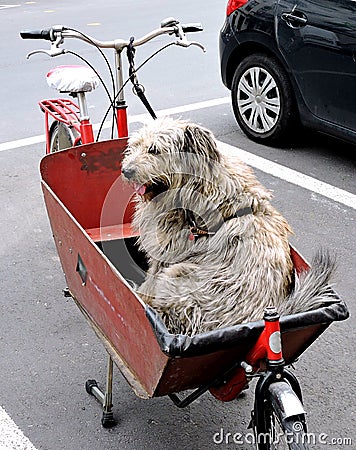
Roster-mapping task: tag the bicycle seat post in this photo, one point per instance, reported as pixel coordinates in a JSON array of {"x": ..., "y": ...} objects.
[{"x": 86, "y": 128}]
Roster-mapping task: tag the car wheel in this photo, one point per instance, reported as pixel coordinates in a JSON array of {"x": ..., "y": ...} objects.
[{"x": 263, "y": 100}]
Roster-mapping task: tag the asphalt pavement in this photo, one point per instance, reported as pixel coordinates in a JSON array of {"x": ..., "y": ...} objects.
[{"x": 47, "y": 349}]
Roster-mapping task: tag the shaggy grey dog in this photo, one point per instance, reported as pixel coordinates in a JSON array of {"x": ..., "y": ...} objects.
[{"x": 218, "y": 251}]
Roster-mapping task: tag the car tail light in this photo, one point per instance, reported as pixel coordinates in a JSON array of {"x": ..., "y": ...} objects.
[{"x": 233, "y": 5}]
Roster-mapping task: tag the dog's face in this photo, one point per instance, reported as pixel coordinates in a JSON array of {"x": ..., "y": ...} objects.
[{"x": 168, "y": 154}]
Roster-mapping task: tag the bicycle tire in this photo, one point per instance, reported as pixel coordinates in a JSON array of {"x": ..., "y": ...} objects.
[
  {"x": 288, "y": 433},
  {"x": 281, "y": 434},
  {"x": 61, "y": 137}
]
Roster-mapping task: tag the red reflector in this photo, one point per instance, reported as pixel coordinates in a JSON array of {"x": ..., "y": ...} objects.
[{"x": 233, "y": 5}]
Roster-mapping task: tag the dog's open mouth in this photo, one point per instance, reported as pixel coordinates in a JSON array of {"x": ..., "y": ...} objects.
[
  {"x": 140, "y": 189},
  {"x": 149, "y": 190}
]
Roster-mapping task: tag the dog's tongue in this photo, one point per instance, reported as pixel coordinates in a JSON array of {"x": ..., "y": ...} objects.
[{"x": 140, "y": 188}]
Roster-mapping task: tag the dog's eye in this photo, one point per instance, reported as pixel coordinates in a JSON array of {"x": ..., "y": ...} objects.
[{"x": 153, "y": 150}]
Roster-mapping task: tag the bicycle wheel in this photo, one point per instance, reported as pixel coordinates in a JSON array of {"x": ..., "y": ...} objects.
[
  {"x": 286, "y": 434},
  {"x": 61, "y": 136},
  {"x": 281, "y": 434}
]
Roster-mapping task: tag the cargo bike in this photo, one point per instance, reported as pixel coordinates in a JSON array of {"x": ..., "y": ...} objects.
[{"x": 90, "y": 211}]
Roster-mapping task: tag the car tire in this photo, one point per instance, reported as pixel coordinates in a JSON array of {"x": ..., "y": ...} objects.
[{"x": 263, "y": 100}]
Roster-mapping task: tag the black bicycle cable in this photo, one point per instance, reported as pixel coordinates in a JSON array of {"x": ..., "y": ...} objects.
[
  {"x": 127, "y": 80},
  {"x": 88, "y": 38},
  {"x": 98, "y": 75}
]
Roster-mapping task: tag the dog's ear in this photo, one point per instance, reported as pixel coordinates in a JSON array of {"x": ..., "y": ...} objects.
[{"x": 200, "y": 141}]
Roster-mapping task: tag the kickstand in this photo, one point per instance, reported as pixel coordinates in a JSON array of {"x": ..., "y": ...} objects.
[{"x": 105, "y": 399}]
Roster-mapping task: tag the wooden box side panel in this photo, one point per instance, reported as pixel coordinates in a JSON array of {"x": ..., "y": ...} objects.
[{"x": 106, "y": 297}]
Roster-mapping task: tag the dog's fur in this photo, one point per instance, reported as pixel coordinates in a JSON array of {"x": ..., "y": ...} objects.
[{"x": 230, "y": 276}]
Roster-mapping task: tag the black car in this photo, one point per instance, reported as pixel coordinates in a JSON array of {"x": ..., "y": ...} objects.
[{"x": 288, "y": 62}]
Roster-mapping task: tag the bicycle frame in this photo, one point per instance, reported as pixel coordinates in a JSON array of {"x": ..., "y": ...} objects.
[{"x": 267, "y": 348}]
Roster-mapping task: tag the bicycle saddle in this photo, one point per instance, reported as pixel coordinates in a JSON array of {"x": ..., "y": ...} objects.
[{"x": 72, "y": 79}]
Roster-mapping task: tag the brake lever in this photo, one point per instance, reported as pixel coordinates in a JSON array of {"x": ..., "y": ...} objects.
[
  {"x": 185, "y": 43},
  {"x": 198, "y": 44},
  {"x": 53, "y": 52}
]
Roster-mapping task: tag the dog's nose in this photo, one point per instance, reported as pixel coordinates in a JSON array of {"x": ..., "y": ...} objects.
[{"x": 128, "y": 172}]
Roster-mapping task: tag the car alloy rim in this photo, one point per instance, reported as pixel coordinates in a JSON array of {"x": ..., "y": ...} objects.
[{"x": 258, "y": 100}]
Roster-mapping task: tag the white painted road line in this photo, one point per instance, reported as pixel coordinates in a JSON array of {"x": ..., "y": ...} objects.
[
  {"x": 194, "y": 106},
  {"x": 292, "y": 176},
  {"x": 11, "y": 437},
  {"x": 22, "y": 142},
  {"x": 8, "y": 6}
]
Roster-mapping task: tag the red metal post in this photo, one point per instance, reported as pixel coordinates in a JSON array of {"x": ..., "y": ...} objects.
[
  {"x": 48, "y": 150},
  {"x": 86, "y": 131},
  {"x": 121, "y": 117},
  {"x": 273, "y": 343}
]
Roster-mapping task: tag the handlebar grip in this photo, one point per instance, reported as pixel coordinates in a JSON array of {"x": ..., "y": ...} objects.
[
  {"x": 37, "y": 34},
  {"x": 192, "y": 27}
]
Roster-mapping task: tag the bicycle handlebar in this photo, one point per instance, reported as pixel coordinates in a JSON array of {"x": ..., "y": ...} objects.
[
  {"x": 37, "y": 34},
  {"x": 192, "y": 27},
  {"x": 58, "y": 33}
]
